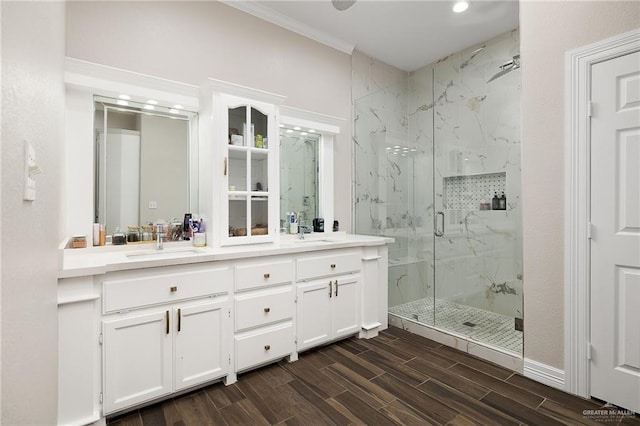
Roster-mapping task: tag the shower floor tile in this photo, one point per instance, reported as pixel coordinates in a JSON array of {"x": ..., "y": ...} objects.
[{"x": 476, "y": 324}]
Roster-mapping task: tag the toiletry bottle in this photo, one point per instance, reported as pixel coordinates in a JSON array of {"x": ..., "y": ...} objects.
[
  {"x": 495, "y": 202},
  {"x": 96, "y": 234},
  {"x": 119, "y": 238},
  {"x": 103, "y": 234},
  {"x": 503, "y": 201},
  {"x": 293, "y": 226}
]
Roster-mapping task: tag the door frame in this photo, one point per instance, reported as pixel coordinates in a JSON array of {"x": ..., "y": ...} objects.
[{"x": 577, "y": 261}]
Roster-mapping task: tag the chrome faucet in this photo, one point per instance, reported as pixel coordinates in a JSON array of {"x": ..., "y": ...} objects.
[
  {"x": 301, "y": 230},
  {"x": 159, "y": 236}
]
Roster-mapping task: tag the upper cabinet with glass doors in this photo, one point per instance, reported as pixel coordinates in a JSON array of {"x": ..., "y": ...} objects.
[{"x": 247, "y": 142}]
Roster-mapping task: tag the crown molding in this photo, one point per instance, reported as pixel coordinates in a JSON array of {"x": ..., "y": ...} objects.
[
  {"x": 244, "y": 91},
  {"x": 110, "y": 81},
  {"x": 265, "y": 13},
  {"x": 322, "y": 122}
]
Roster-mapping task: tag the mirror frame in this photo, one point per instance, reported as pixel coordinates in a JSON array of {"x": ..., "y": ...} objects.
[
  {"x": 85, "y": 79},
  {"x": 328, "y": 128}
]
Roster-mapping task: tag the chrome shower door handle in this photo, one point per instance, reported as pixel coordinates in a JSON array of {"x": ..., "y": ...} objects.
[{"x": 436, "y": 231}]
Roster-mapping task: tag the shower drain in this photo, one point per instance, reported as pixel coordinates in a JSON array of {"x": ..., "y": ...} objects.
[{"x": 469, "y": 324}]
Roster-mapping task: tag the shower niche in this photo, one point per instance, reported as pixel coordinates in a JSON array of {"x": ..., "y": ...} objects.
[{"x": 471, "y": 192}]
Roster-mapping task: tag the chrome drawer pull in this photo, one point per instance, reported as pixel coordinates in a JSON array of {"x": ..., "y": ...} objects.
[
  {"x": 267, "y": 347},
  {"x": 267, "y": 275},
  {"x": 167, "y": 315},
  {"x": 336, "y": 288},
  {"x": 330, "y": 288},
  {"x": 173, "y": 289},
  {"x": 179, "y": 319},
  {"x": 267, "y": 310}
]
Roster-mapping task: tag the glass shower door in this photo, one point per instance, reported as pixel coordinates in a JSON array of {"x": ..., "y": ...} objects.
[{"x": 478, "y": 292}]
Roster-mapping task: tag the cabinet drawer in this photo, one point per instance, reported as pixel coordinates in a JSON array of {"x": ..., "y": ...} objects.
[
  {"x": 263, "y": 307},
  {"x": 255, "y": 275},
  {"x": 151, "y": 289},
  {"x": 263, "y": 346},
  {"x": 330, "y": 264}
]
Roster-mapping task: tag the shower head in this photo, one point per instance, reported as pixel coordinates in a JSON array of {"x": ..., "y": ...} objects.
[{"x": 513, "y": 64}]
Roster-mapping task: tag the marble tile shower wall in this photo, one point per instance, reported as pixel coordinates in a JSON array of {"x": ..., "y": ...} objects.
[
  {"x": 473, "y": 127},
  {"x": 387, "y": 168}
]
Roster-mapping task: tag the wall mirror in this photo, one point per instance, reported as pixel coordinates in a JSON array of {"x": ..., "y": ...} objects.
[
  {"x": 306, "y": 165},
  {"x": 299, "y": 170},
  {"x": 145, "y": 163}
]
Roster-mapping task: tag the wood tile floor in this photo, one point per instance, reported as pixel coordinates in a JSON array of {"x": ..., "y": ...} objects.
[{"x": 396, "y": 378}]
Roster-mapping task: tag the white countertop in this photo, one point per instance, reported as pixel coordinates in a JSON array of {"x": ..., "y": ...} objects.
[{"x": 100, "y": 260}]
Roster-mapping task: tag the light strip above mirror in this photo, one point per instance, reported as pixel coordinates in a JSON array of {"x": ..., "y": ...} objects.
[{"x": 144, "y": 108}]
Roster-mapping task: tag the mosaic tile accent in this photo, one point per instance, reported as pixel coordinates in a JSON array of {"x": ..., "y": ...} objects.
[
  {"x": 490, "y": 328},
  {"x": 466, "y": 192}
]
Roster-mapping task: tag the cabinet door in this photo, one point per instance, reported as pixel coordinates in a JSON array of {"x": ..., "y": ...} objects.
[
  {"x": 137, "y": 359},
  {"x": 250, "y": 185},
  {"x": 314, "y": 313},
  {"x": 201, "y": 331},
  {"x": 345, "y": 306}
]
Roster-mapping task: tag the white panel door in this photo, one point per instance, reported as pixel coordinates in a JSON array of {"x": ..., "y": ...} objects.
[
  {"x": 137, "y": 360},
  {"x": 200, "y": 342},
  {"x": 122, "y": 188},
  {"x": 615, "y": 246}
]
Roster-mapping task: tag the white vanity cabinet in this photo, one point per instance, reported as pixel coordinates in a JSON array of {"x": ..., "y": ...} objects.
[
  {"x": 328, "y": 297},
  {"x": 263, "y": 309},
  {"x": 164, "y": 330},
  {"x": 133, "y": 334}
]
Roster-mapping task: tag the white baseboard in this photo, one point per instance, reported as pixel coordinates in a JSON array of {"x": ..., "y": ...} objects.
[{"x": 543, "y": 373}]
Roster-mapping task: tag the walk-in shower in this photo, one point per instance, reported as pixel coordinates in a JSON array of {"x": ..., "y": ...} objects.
[{"x": 431, "y": 154}]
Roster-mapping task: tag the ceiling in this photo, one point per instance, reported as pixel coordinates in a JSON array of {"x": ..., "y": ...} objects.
[{"x": 405, "y": 34}]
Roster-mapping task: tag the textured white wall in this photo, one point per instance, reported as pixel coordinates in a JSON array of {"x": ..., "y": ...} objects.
[
  {"x": 32, "y": 110},
  {"x": 548, "y": 30},
  {"x": 191, "y": 41}
]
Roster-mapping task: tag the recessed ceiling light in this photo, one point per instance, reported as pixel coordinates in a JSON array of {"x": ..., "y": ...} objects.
[
  {"x": 304, "y": 133},
  {"x": 123, "y": 103},
  {"x": 413, "y": 150},
  {"x": 296, "y": 128},
  {"x": 342, "y": 4},
  {"x": 178, "y": 107},
  {"x": 404, "y": 155},
  {"x": 289, "y": 131},
  {"x": 152, "y": 102},
  {"x": 149, "y": 107},
  {"x": 173, "y": 111},
  {"x": 460, "y": 6},
  {"x": 388, "y": 148},
  {"x": 311, "y": 131},
  {"x": 280, "y": 125},
  {"x": 397, "y": 146},
  {"x": 125, "y": 97}
]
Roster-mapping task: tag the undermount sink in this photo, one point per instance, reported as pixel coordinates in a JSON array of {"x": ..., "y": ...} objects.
[{"x": 168, "y": 252}]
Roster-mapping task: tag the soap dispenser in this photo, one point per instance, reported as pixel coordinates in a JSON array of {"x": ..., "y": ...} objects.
[
  {"x": 495, "y": 202},
  {"x": 502, "y": 201}
]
